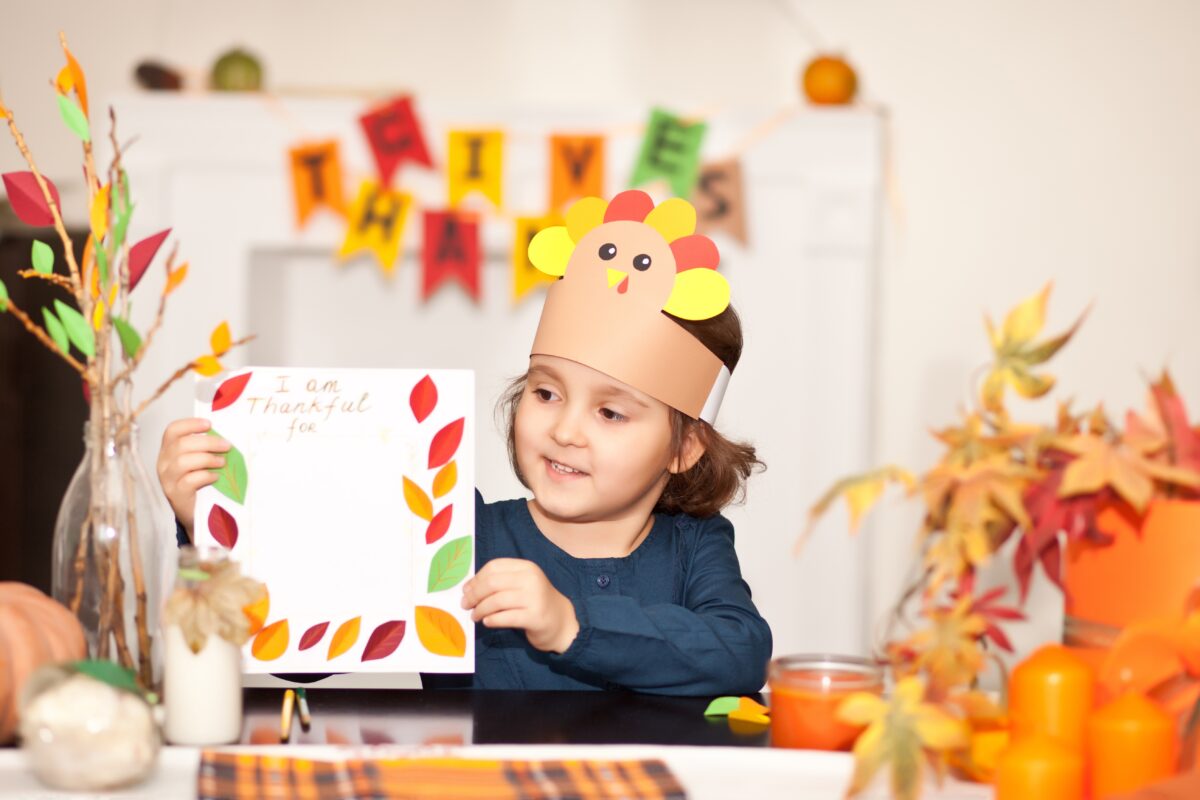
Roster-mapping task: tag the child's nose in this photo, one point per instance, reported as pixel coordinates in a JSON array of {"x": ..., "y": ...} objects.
[{"x": 568, "y": 429}]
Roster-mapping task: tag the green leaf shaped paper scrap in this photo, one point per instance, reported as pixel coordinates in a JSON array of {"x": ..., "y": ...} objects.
[
  {"x": 108, "y": 672},
  {"x": 78, "y": 330},
  {"x": 131, "y": 340},
  {"x": 722, "y": 706},
  {"x": 450, "y": 564},
  {"x": 73, "y": 115},
  {"x": 43, "y": 257},
  {"x": 56, "y": 330},
  {"x": 231, "y": 478}
]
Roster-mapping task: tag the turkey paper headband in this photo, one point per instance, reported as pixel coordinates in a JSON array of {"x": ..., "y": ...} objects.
[{"x": 622, "y": 265}]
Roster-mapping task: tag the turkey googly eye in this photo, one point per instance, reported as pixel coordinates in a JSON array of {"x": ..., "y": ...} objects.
[
  {"x": 641, "y": 263},
  {"x": 608, "y": 251}
]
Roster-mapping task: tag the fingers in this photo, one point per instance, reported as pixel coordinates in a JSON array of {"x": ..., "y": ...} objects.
[
  {"x": 500, "y": 601},
  {"x": 510, "y": 618},
  {"x": 485, "y": 584},
  {"x": 182, "y": 427},
  {"x": 195, "y": 481}
]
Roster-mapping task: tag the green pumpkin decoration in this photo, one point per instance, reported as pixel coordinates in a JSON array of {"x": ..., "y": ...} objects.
[{"x": 237, "y": 71}]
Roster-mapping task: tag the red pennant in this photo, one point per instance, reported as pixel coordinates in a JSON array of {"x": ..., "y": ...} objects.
[
  {"x": 451, "y": 251},
  {"x": 27, "y": 200},
  {"x": 141, "y": 254},
  {"x": 395, "y": 136}
]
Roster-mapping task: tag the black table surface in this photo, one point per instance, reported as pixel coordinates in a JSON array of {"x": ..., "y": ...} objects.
[{"x": 452, "y": 717}]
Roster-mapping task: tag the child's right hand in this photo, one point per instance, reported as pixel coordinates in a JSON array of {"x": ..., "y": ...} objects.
[{"x": 184, "y": 461}]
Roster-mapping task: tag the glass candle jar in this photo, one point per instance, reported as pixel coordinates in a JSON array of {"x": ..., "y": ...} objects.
[{"x": 806, "y": 691}]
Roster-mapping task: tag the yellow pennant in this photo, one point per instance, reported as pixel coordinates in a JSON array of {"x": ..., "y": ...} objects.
[
  {"x": 475, "y": 163},
  {"x": 525, "y": 275},
  {"x": 376, "y": 223}
]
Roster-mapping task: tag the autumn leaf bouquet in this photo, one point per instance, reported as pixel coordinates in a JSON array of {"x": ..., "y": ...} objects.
[
  {"x": 105, "y": 550},
  {"x": 1061, "y": 489}
]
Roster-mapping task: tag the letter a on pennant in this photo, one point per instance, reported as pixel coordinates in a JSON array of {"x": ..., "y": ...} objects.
[{"x": 451, "y": 251}]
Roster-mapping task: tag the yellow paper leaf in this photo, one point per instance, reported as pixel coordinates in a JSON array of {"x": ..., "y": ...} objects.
[
  {"x": 673, "y": 218},
  {"x": 749, "y": 706},
  {"x": 98, "y": 315},
  {"x": 257, "y": 611},
  {"x": 175, "y": 278},
  {"x": 220, "y": 339},
  {"x": 271, "y": 641},
  {"x": 344, "y": 638},
  {"x": 551, "y": 249},
  {"x": 208, "y": 366},
  {"x": 698, "y": 294},
  {"x": 65, "y": 81},
  {"x": 445, "y": 480},
  {"x": 440, "y": 632},
  {"x": 99, "y": 213},
  {"x": 418, "y": 502},
  {"x": 749, "y": 716}
]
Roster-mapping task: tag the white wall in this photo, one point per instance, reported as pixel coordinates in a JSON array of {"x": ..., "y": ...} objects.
[{"x": 1032, "y": 141}]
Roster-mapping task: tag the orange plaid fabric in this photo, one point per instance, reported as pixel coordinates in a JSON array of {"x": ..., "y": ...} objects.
[{"x": 246, "y": 776}]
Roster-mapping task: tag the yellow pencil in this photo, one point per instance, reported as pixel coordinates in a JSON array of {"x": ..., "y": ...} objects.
[{"x": 285, "y": 717}]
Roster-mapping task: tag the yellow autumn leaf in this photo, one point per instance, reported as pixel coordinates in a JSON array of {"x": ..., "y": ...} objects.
[
  {"x": 99, "y": 213},
  {"x": 257, "y": 611},
  {"x": 860, "y": 492},
  {"x": 1026, "y": 320},
  {"x": 418, "y": 502},
  {"x": 220, "y": 340},
  {"x": 1102, "y": 463},
  {"x": 344, "y": 638},
  {"x": 271, "y": 641},
  {"x": 175, "y": 278},
  {"x": 445, "y": 480},
  {"x": 440, "y": 632},
  {"x": 208, "y": 366}
]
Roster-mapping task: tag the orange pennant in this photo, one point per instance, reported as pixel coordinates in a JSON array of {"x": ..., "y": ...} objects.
[
  {"x": 317, "y": 179},
  {"x": 576, "y": 169}
]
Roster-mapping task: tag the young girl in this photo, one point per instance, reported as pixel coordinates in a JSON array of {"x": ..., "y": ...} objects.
[{"x": 619, "y": 573}]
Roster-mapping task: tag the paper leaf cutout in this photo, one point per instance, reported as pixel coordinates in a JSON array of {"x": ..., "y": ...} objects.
[
  {"x": 131, "y": 340},
  {"x": 698, "y": 294},
  {"x": 72, "y": 114},
  {"x": 752, "y": 717},
  {"x": 344, "y": 638},
  {"x": 231, "y": 478},
  {"x": 223, "y": 527},
  {"x": 42, "y": 257},
  {"x": 721, "y": 707},
  {"x": 445, "y": 480},
  {"x": 271, "y": 642},
  {"x": 440, "y": 632},
  {"x": 313, "y": 635},
  {"x": 208, "y": 366},
  {"x": 450, "y": 564},
  {"x": 439, "y": 525},
  {"x": 418, "y": 502},
  {"x": 220, "y": 340},
  {"x": 141, "y": 254},
  {"x": 175, "y": 278},
  {"x": 229, "y": 391},
  {"x": 99, "y": 214},
  {"x": 26, "y": 198},
  {"x": 384, "y": 640},
  {"x": 257, "y": 611},
  {"x": 445, "y": 443},
  {"x": 78, "y": 330},
  {"x": 423, "y": 398},
  {"x": 78, "y": 80},
  {"x": 747, "y": 705},
  {"x": 56, "y": 330},
  {"x": 3, "y": 297},
  {"x": 108, "y": 672}
]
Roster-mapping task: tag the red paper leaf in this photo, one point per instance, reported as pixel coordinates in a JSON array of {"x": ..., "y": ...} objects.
[
  {"x": 230, "y": 390},
  {"x": 439, "y": 525},
  {"x": 445, "y": 443},
  {"x": 384, "y": 640},
  {"x": 313, "y": 635},
  {"x": 141, "y": 254},
  {"x": 26, "y": 198},
  {"x": 423, "y": 398},
  {"x": 223, "y": 527}
]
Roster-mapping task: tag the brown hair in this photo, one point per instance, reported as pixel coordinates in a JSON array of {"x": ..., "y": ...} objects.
[{"x": 719, "y": 477}]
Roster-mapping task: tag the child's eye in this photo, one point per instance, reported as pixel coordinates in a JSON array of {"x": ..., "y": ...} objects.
[
  {"x": 545, "y": 395},
  {"x": 612, "y": 416}
]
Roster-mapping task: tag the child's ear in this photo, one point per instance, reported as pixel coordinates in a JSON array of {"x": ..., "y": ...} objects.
[{"x": 689, "y": 453}]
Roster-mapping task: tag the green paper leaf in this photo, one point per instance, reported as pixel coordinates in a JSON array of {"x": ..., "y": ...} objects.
[
  {"x": 231, "y": 478},
  {"x": 3, "y": 297},
  {"x": 109, "y": 672},
  {"x": 102, "y": 264},
  {"x": 722, "y": 706},
  {"x": 77, "y": 327},
  {"x": 73, "y": 115},
  {"x": 56, "y": 330},
  {"x": 43, "y": 257},
  {"x": 450, "y": 564},
  {"x": 131, "y": 340},
  {"x": 124, "y": 212}
]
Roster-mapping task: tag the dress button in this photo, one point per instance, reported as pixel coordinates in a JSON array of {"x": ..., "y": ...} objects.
[{"x": 603, "y": 581}]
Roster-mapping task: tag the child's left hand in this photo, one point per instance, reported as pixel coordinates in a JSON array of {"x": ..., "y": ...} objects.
[{"x": 513, "y": 593}]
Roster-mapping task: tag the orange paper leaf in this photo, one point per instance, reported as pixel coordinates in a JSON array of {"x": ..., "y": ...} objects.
[
  {"x": 208, "y": 366},
  {"x": 344, "y": 638},
  {"x": 257, "y": 611},
  {"x": 220, "y": 340},
  {"x": 418, "y": 502},
  {"x": 271, "y": 641},
  {"x": 78, "y": 80},
  {"x": 445, "y": 480},
  {"x": 440, "y": 632},
  {"x": 175, "y": 278}
]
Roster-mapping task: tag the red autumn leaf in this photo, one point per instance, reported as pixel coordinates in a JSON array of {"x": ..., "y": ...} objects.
[
  {"x": 985, "y": 606},
  {"x": 423, "y": 398},
  {"x": 445, "y": 443},
  {"x": 439, "y": 525},
  {"x": 313, "y": 635},
  {"x": 223, "y": 527},
  {"x": 27, "y": 200},
  {"x": 141, "y": 254},
  {"x": 384, "y": 640},
  {"x": 230, "y": 391}
]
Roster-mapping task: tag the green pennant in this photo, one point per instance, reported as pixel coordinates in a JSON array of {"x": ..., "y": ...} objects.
[{"x": 670, "y": 150}]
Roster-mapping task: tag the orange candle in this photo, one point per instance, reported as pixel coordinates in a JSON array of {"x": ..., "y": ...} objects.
[
  {"x": 1038, "y": 767},
  {"x": 805, "y": 694},
  {"x": 1051, "y": 694},
  {"x": 1131, "y": 743}
]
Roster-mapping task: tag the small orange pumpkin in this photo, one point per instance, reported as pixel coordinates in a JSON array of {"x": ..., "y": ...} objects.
[
  {"x": 829, "y": 81},
  {"x": 34, "y": 630}
]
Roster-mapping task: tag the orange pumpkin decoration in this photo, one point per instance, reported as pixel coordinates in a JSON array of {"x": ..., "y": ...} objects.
[
  {"x": 829, "y": 81},
  {"x": 34, "y": 630}
]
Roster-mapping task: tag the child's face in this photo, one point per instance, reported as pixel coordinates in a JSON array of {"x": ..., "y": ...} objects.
[{"x": 590, "y": 448}]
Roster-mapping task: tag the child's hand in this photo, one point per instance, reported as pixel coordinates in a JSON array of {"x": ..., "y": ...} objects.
[
  {"x": 512, "y": 593},
  {"x": 184, "y": 461}
]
